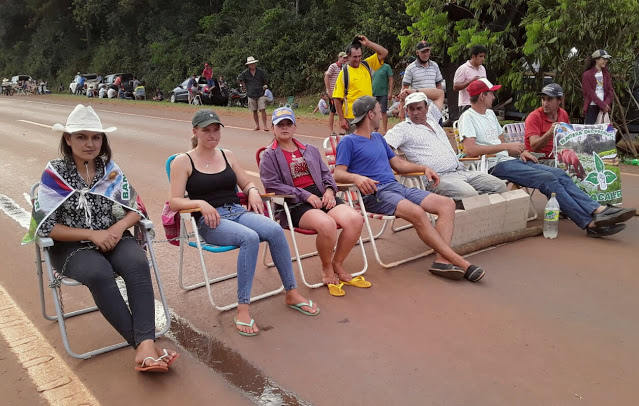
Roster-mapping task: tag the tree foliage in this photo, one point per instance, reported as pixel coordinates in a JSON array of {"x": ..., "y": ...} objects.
[
  {"x": 529, "y": 41},
  {"x": 163, "y": 41}
]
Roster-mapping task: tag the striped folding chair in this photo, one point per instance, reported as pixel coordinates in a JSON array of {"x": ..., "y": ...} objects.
[{"x": 280, "y": 203}]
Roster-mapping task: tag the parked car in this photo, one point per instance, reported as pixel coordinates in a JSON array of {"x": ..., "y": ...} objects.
[
  {"x": 217, "y": 97},
  {"x": 127, "y": 80},
  {"x": 91, "y": 80}
]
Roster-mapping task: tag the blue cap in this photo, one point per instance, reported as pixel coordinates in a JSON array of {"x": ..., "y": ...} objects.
[{"x": 283, "y": 113}]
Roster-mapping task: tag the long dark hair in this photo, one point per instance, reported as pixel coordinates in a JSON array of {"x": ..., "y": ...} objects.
[
  {"x": 590, "y": 62},
  {"x": 105, "y": 151}
]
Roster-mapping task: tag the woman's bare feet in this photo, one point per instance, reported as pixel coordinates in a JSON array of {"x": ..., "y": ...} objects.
[
  {"x": 342, "y": 274},
  {"x": 243, "y": 316},
  {"x": 293, "y": 298},
  {"x": 329, "y": 276},
  {"x": 147, "y": 349}
]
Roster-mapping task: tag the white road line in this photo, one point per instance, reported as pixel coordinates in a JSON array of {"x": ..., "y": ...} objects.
[
  {"x": 28, "y": 199},
  {"x": 49, "y": 373},
  {"x": 146, "y": 116},
  {"x": 34, "y": 123},
  {"x": 51, "y": 376},
  {"x": 257, "y": 175}
]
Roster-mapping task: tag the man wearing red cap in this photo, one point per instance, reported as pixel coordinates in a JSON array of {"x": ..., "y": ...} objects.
[
  {"x": 207, "y": 73},
  {"x": 482, "y": 135}
]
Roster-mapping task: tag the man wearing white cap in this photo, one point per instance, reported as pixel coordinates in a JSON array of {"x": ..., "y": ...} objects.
[
  {"x": 364, "y": 159},
  {"x": 254, "y": 79},
  {"x": 424, "y": 142},
  {"x": 482, "y": 134}
]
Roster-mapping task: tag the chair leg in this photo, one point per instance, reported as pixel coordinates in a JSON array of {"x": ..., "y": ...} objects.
[
  {"x": 372, "y": 238},
  {"x": 208, "y": 281}
]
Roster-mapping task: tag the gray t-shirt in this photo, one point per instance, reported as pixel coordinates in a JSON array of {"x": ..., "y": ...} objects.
[{"x": 485, "y": 129}]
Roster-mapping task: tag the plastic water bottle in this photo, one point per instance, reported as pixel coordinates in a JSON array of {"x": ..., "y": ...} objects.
[{"x": 551, "y": 218}]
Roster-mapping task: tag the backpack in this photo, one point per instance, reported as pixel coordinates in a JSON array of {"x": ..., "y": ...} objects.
[{"x": 345, "y": 75}]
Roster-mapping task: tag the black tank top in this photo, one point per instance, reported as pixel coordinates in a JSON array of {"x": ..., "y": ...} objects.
[{"x": 217, "y": 189}]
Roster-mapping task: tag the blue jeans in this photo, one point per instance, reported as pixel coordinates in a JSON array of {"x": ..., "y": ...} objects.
[
  {"x": 576, "y": 204},
  {"x": 246, "y": 230}
]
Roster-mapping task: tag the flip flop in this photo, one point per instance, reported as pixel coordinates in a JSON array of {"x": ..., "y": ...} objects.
[
  {"x": 151, "y": 368},
  {"x": 358, "y": 282},
  {"x": 298, "y": 307},
  {"x": 166, "y": 353},
  {"x": 336, "y": 290},
  {"x": 239, "y": 323}
]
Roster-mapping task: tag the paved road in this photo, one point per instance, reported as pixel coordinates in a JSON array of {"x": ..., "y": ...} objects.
[{"x": 553, "y": 322}]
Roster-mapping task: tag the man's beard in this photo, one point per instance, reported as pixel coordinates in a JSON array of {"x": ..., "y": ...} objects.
[{"x": 422, "y": 61}]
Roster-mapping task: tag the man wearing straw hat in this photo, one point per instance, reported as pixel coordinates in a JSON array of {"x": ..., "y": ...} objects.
[{"x": 254, "y": 79}]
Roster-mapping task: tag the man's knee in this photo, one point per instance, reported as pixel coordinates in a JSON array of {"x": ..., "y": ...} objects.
[
  {"x": 456, "y": 190},
  {"x": 411, "y": 212}
]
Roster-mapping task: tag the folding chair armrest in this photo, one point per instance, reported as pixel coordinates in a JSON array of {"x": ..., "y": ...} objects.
[
  {"x": 147, "y": 224},
  {"x": 345, "y": 186},
  {"x": 411, "y": 174},
  {"x": 279, "y": 199},
  {"x": 44, "y": 242}
]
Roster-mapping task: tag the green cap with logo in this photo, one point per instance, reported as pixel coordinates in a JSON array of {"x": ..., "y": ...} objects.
[{"x": 205, "y": 118}]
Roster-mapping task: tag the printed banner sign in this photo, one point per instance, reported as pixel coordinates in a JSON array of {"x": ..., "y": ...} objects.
[{"x": 588, "y": 154}]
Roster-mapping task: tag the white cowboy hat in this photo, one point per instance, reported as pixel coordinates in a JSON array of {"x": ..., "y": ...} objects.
[
  {"x": 82, "y": 118},
  {"x": 250, "y": 60}
]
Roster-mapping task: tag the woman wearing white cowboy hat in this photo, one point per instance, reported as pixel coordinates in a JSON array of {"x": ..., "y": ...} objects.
[{"x": 85, "y": 201}]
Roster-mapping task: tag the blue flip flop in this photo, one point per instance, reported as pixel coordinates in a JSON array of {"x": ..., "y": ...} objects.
[
  {"x": 239, "y": 323},
  {"x": 298, "y": 307}
]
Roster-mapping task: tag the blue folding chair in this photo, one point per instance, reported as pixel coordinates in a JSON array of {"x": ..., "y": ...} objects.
[{"x": 194, "y": 240}]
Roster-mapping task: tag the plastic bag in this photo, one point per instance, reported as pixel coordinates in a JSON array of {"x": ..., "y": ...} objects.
[{"x": 171, "y": 224}]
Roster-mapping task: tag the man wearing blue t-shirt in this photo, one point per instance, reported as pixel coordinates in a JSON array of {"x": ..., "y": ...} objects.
[{"x": 364, "y": 159}]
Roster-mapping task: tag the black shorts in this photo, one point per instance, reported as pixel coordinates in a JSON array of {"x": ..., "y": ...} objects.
[
  {"x": 383, "y": 103},
  {"x": 298, "y": 211},
  {"x": 331, "y": 105}
]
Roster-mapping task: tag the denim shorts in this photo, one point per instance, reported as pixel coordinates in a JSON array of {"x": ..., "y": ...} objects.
[{"x": 388, "y": 196}]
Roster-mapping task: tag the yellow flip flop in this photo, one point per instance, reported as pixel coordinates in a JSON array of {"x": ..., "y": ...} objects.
[
  {"x": 336, "y": 290},
  {"x": 358, "y": 282}
]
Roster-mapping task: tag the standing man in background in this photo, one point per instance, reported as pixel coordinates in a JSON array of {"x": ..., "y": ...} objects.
[
  {"x": 207, "y": 73},
  {"x": 469, "y": 72},
  {"x": 330, "y": 77},
  {"x": 383, "y": 91},
  {"x": 424, "y": 75},
  {"x": 358, "y": 79},
  {"x": 254, "y": 79}
]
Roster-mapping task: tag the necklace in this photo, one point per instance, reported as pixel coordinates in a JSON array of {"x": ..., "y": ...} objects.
[{"x": 207, "y": 163}]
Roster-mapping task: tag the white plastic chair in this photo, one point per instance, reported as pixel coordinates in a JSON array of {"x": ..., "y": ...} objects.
[{"x": 42, "y": 247}]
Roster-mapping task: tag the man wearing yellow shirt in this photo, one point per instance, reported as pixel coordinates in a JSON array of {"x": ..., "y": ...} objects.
[{"x": 359, "y": 78}]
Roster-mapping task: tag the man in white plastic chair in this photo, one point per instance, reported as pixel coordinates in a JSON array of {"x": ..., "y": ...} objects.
[
  {"x": 482, "y": 134},
  {"x": 424, "y": 142}
]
